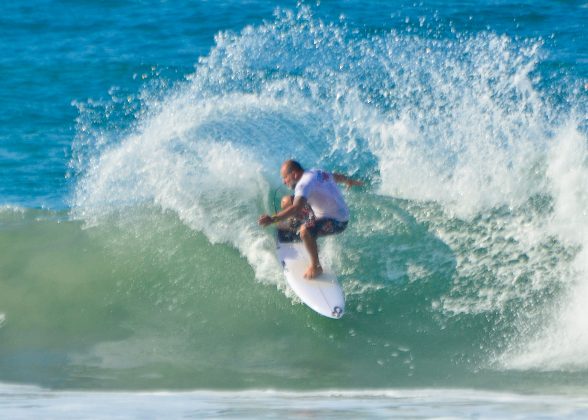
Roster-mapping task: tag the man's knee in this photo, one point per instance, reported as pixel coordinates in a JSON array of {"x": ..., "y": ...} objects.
[{"x": 304, "y": 232}]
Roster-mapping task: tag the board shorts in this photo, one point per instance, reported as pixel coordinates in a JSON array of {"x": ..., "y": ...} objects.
[
  {"x": 324, "y": 227},
  {"x": 321, "y": 227}
]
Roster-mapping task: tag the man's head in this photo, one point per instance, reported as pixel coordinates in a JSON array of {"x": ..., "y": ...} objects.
[{"x": 291, "y": 171}]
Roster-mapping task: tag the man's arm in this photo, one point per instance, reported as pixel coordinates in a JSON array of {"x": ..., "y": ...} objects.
[
  {"x": 297, "y": 205},
  {"x": 342, "y": 179}
]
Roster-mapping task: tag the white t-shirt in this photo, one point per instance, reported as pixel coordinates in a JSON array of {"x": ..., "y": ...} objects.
[{"x": 322, "y": 193}]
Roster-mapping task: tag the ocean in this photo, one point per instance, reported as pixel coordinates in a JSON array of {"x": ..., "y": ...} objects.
[{"x": 141, "y": 140}]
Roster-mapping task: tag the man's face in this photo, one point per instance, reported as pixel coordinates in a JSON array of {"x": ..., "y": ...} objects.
[{"x": 289, "y": 178}]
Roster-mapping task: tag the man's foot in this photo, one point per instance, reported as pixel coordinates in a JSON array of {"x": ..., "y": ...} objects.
[{"x": 313, "y": 271}]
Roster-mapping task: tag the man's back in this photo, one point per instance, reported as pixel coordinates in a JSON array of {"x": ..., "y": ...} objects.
[{"x": 322, "y": 193}]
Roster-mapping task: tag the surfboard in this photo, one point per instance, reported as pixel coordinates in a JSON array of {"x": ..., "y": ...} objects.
[{"x": 322, "y": 294}]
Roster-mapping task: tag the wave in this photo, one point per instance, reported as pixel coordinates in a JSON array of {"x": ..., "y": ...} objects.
[{"x": 470, "y": 236}]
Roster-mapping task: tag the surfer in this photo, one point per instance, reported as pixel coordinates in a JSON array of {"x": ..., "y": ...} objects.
[{"x": 319, "y": 190}]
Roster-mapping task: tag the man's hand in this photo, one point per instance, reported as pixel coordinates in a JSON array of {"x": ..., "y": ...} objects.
[
  {"x": 265, "y": 220},
  {"x": 353, "y": 183}
]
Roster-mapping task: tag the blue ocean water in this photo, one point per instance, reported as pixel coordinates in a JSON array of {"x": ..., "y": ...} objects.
[{"x": 140, "y": 141}]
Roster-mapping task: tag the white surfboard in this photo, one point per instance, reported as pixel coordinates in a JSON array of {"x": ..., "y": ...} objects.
[{"x": 323, "y": 294}]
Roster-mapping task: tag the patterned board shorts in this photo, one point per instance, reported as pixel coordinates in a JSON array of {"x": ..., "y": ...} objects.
[{"x": 323, "y": 227}]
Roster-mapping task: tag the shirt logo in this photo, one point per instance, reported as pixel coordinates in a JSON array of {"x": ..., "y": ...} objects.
[{"x": 323, "y": 176}]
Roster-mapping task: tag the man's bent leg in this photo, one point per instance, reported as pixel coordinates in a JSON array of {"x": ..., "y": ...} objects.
[{"x": 309, "y": 240}]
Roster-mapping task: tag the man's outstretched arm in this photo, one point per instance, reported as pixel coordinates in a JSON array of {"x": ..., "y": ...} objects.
[{"x": 342, "y": 179}]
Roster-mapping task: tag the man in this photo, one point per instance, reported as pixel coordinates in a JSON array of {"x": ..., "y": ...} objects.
[{"x": 319, "y": 190}]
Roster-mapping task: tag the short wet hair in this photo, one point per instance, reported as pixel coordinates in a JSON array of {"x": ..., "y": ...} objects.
[{"x": 292, "y": 165}]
